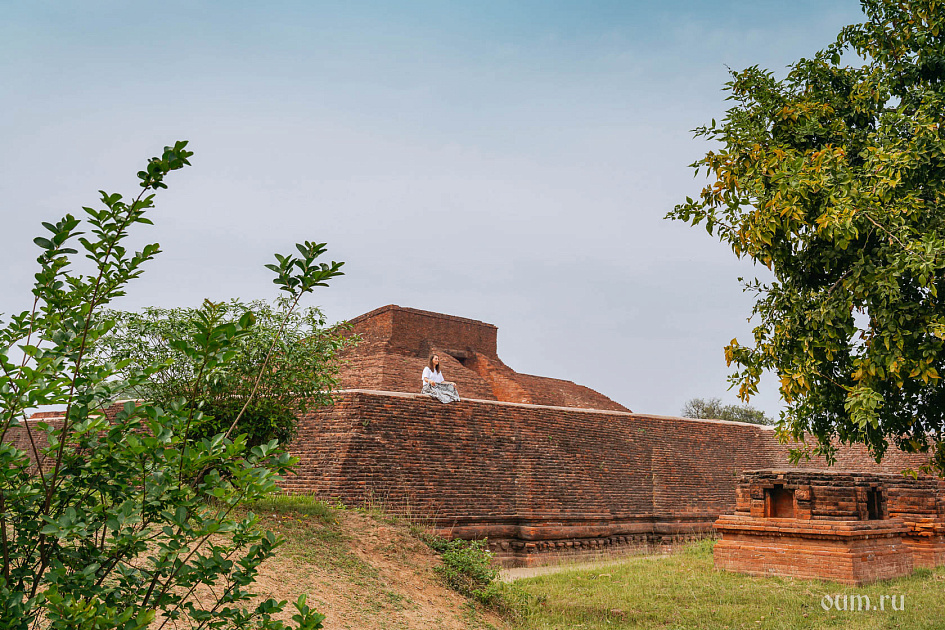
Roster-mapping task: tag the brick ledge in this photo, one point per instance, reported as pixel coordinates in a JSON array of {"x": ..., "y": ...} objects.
[{"x": 648, "y": 416}]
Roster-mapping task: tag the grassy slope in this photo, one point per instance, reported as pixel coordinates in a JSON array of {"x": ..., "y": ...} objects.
[
  {"x": 366, "y": 570},
  {"x": 362, "y": 570},
  {"x": 684, "y": 591}
]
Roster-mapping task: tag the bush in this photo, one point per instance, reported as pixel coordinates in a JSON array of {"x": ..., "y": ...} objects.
[
  {"x": 467, "y": 567},
  {"x": 128, "y": 518},
  {"x": 297, "y": 348}
]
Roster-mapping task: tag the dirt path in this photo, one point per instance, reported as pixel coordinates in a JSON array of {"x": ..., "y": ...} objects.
[{"x": 510, "y": 575}]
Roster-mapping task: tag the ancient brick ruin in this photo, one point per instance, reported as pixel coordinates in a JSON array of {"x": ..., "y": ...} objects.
[
  {"x": 849, "y": 527},
  {"x": 397, "y": 342},
  {"x": 542, "y": 467},
  {"x": 545, "y": 468}
]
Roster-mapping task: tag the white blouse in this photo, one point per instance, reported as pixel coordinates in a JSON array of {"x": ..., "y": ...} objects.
[{"x": 436, "y": 377}]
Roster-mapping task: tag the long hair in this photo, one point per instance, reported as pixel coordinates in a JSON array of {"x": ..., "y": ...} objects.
[{"x": 437, "y": 368}]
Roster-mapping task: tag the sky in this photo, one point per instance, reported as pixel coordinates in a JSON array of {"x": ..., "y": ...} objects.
[{"x": 508, "y": 161}]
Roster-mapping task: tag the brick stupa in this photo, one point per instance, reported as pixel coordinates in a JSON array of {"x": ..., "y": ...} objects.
[{"x": 397, "y": 342}]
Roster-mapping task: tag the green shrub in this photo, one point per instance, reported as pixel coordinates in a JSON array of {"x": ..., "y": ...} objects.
[
  {"x": 285, "y": 364},
  {"x": 467, "y": 567},
  {"x": 132, "y": 517}
]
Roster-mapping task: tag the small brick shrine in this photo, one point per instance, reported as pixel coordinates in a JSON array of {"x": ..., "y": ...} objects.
[{"x": 848, "y": 527}]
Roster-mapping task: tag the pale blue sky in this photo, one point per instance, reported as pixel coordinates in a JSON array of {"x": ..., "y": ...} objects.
[{"x": 505, "y": 161}]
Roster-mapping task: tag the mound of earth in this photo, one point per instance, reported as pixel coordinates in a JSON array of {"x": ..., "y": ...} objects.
[{"x": 362, "y": 571}]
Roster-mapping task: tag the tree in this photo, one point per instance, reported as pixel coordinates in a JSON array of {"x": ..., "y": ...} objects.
[
  {"x": 833, "y": 178},
  {"x": 297, "y": 348},
  {"x": 128, "y": 521},
  {"x": 713, "y": 409}
]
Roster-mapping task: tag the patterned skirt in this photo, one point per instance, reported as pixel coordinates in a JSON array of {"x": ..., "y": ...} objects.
[{"x": 444, "y": 392}]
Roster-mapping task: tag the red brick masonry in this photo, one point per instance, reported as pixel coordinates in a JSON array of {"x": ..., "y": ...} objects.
[
  {"x": 544, "y": 482},
  {"x": 542, "y": 467},
  {"x": 538, "y": 480},
  {"x": 847, "y": 527},
  {"x": 397, "y": 342}
]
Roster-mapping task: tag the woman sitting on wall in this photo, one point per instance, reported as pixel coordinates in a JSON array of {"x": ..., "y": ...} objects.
[{"x": 434, "y": 385}]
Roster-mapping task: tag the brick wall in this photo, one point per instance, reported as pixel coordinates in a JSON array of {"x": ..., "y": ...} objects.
[
  {"x": 537, "y": 475},
  {"x": 28, "y": 437},
  {"x": 537, "y": 479}
]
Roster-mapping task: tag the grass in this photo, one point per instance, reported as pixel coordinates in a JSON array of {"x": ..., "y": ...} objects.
[
  {"x": 683, "y": 591},
  {"x": 299, "y": 504}
]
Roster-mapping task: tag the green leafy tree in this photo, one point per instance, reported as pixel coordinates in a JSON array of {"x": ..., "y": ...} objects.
[
  {"x": 833, "y": 178},
  {"x": 713, "y": 409},
  {"x": 296, "y": 346},
  {"x": 128, "y": 522}
]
